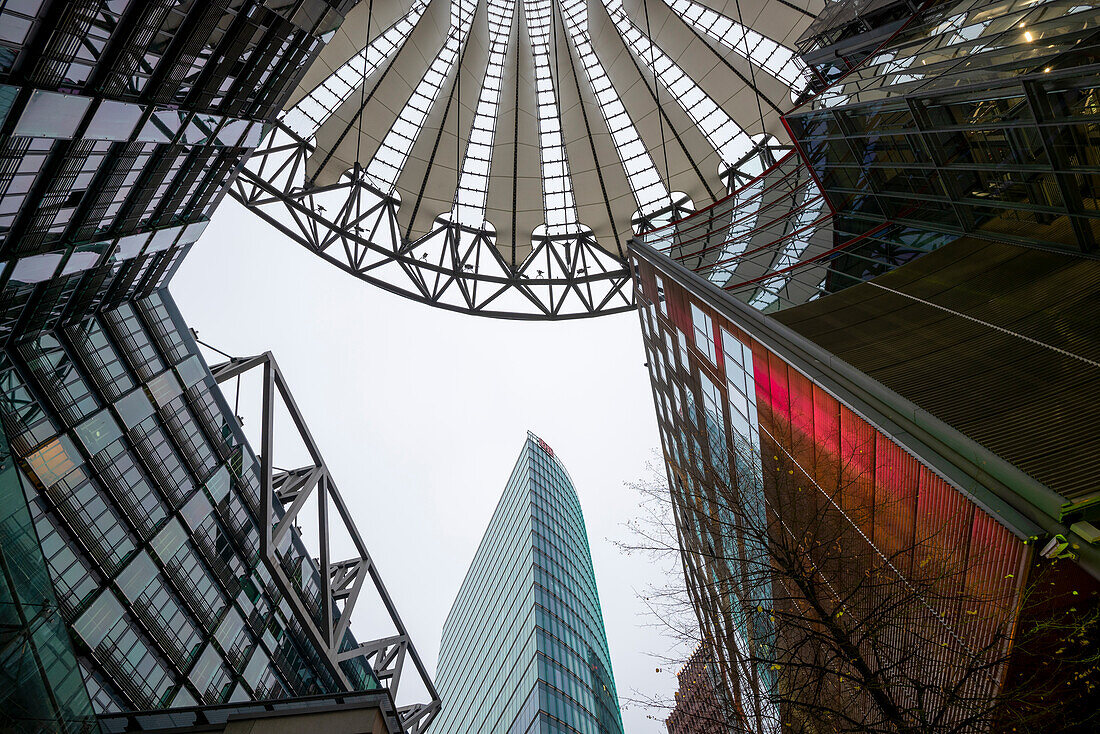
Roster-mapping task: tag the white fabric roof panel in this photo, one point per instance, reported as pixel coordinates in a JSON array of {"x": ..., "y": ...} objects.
[{"x": 714, "y": 98}]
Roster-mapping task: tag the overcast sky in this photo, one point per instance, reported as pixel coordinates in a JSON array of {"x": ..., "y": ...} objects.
[{"x": 420, "y": 414}]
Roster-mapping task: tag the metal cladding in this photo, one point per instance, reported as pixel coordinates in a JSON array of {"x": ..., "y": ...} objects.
[
  {"x": 927, "y": 332},
  {"x": 494, "y": 156}
]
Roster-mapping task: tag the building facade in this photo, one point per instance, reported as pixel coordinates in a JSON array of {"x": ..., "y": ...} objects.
[
  {"x": 122, "y": 125},
  {"x": 524, "y": 647},
  {"x": 905, "y": 408},
  {"x": 697, "y": 709},
  {"x": 147, "y": 501},
  {"x": 152, "y": 557}
]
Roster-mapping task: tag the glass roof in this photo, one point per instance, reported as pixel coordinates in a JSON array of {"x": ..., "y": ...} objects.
[{"x": 495, "y": 156}]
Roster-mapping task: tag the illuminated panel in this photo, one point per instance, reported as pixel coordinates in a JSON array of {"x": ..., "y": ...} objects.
[
  {"x": 645, "y": 182},
  {"x": 557, "y": 184},
  {"x": 904, "y": 514},
  {"x": 776, "y": 59},
  {"x": 53, "y": 462},
  {"x": 473, "y": 184}
]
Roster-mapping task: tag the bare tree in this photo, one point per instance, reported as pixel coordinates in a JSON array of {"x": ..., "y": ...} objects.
[{"x": 834, "y": 608}]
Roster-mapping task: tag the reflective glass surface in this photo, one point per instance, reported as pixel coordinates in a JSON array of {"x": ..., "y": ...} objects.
[
  {"x": 113, "y": 121},
  {"x": 147, "y": 510},
  {"x": 40, "y": 685},
  {"x": 52, "y": 115},
  {"x": 524, "y": 647}
]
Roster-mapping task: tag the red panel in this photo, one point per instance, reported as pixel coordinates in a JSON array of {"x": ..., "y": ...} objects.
[
  {"x": 857, "y": 469},
  {"x": 994, "y": 580},
  {"x": 645, "y": 281},
  {"x": 944, "y": 521},
  {"x": 827, "y": 443},
  {"x": 678, "y": 309},
  {"x": 897, "y": 476},
  {"x": 800, "y": 392},
  {"x": 760, "y": 371},
  {"x": 775, "y": 414},
  {"x": 974, "y": 567}
]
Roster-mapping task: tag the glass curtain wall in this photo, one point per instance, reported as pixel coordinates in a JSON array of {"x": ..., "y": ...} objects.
[{"x": 524, "y": 647}]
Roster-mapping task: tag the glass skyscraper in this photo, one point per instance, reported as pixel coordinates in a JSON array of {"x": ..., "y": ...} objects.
[{"x": 524, "y": 647}]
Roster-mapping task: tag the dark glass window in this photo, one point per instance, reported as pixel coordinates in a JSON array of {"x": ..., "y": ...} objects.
[
  {"x": 131, "y": 490},
  {"x": 99, "y": 358},
  {"x": 59, "y": 379},
  {"x": 154, "y": 602},
  {"x": 139, "y": 671}
]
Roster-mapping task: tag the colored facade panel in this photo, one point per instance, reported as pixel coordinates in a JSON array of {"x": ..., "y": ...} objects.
[
  {"x": 998, "y": 356},
  {"x": 815, "y": 457},
  {"x": 524, "y": 647}
]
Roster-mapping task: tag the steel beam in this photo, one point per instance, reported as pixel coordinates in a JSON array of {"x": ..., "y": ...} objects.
[{"x": 341, "y": 581}]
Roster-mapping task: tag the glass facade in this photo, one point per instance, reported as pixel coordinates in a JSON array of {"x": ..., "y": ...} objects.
[
  {"x": 40, "y": 685},
  {"x": 978, "y": 118},
  {"x": 967, "y": 119},
  {"x": 122, "y": 124},
  {"x": 146, "y": 498},
  {"x": 524, "y": 647},
  {"x": 765, "y": 458}
]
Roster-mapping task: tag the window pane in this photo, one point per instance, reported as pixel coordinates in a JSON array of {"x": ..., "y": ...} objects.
[
  {"x": 98, "y": 432},
  {"x": 113, "y": 121},
  {"x": 52, "y": 115}
]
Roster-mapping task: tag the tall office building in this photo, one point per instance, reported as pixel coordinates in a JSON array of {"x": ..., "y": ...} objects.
[
  {"x": 524, "y": 647},
  {"x": 151, "y": 557},
  {"x": 904, "y": 400}
]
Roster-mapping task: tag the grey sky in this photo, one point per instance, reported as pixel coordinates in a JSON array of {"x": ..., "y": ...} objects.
[{"x": 420, "y": 414}]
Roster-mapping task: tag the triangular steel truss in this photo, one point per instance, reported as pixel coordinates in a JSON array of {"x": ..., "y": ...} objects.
[{"x": 285, "y": 493}]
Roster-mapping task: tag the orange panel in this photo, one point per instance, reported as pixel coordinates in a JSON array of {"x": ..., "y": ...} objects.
[{"x": 800, "y": 392}]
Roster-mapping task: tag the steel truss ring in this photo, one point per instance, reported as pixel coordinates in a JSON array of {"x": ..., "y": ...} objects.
[{"x": 454, "y": 267}]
